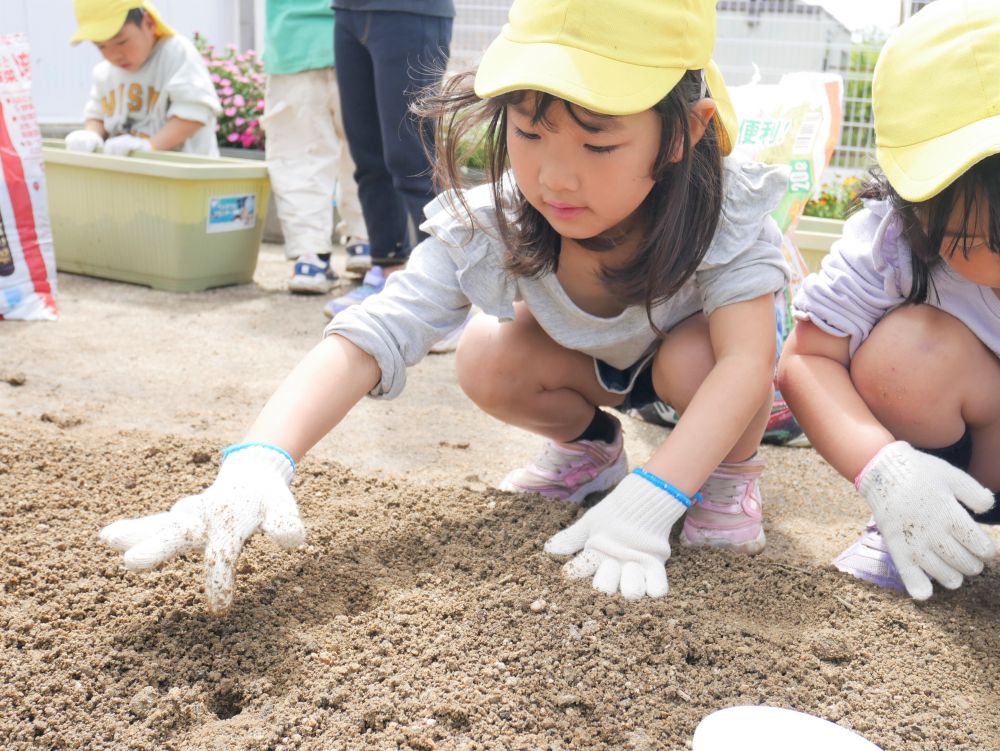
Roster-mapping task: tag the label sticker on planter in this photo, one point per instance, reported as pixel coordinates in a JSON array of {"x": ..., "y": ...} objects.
[{"x": 231, "y": 213}]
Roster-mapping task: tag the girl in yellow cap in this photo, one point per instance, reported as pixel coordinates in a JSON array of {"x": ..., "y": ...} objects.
[
  {"x": 617, "y": 255},
  {"x": 893, "y": 368},
  {"x": 152, "y": 90}
]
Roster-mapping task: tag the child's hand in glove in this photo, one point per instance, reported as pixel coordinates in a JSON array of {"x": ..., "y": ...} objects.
[
  {"x": 624, "y": 538},
  {"x": 250, "y": 494},
  {"x": 86, "y": 141},
  {"x": 124, "y": 145},
  {"x": 917, "y": 502}
]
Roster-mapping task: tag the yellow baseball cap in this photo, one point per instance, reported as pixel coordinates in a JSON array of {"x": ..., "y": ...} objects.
[
  {"x": 99, "y": 20},
  {"x": 936, "y": 96},
  {"x": 616, "y": 57}
]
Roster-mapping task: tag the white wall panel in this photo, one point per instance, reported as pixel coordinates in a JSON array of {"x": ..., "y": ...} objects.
[{"x": 61, "y": 73}]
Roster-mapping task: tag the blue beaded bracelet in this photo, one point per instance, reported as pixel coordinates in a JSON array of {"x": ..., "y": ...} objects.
[
  {"x": 667, "y": 487},
  {"x": 238, "y": 446}
]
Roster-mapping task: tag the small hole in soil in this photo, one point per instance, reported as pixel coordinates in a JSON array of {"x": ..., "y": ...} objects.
[{"x": 227, "y": 704}]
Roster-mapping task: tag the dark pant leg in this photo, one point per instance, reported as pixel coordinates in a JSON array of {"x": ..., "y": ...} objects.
[
  {"x": 382, "y": 207},
  {"x": 409, "y": 52},
  {"x": 960, "y": 455}
]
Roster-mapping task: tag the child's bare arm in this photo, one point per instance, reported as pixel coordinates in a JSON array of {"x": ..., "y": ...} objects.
[
  {"x": 96, "y": 126},
  {"x": 251, "y": 492},
  {"x": 742, "y": 337},
  {"x": 315, "y": 396},
  {"x": 174, "y": 133},
  {"x": 815, "y": 381}
]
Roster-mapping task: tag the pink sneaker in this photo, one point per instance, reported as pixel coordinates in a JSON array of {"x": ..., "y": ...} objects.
[
  {"x": 731, "y": 515},
  {"x": 571, "y": 471}
]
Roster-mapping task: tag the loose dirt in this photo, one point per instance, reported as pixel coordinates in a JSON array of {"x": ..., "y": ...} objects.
[{"x": 422, "y": 613}]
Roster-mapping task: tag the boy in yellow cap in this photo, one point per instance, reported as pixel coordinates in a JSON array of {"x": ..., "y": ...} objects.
[
  {"x": 151, "y": 91},
  {"x": 893, "y": 369}
]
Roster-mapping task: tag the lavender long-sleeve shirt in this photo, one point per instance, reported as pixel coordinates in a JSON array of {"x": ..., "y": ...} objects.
[{"x": 868, "y": 273}]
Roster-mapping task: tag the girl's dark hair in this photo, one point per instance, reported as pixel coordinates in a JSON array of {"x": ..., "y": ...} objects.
[
  {"x": 679, "y": 216},
  {"x": 925, "y": 223},
  {"x": 135, "y": 16}
]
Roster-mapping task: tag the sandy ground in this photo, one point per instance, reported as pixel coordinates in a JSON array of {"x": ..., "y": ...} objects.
[{"x": 423, "y": 613}]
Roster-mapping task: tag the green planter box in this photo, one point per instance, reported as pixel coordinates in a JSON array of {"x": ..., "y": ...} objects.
[
  {"x": 813, "y": 237},
  {"x": 171, "y": 221}
]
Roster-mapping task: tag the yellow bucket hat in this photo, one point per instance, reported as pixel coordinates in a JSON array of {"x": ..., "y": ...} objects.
[
  {"x": 936, "y": 96},
  {"x": 99, "y": 20},
  {"x": 616, "y": 57}
]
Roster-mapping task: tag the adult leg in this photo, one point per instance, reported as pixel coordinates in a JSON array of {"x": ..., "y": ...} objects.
[
  {"x": 301, "y": 150},
  {"x": 352, "y": 220},
  {"x": 410, "y": 52},
  {"x": 383, "y": 209}
]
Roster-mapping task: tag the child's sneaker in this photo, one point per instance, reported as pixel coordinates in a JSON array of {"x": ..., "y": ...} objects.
[
  {"x": 731, "y": 515},
  {"x": 571, "y": 471},
  {"x": 372, "y": 284},
  {"x": 868, "y": 559},
  {"x": 312, "y": 277},
  {"x": 359, "y": 259},
  {"x": 782, "y": 427}
]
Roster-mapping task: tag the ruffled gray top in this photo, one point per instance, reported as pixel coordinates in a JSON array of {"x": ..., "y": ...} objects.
[{"x": 458, "y": 266}]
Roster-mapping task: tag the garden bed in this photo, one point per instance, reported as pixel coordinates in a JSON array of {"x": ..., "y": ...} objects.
[{"x": 408, "y": 620}]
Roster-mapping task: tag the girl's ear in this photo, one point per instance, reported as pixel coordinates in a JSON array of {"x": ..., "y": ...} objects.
[{"x": 699, "y": 116}]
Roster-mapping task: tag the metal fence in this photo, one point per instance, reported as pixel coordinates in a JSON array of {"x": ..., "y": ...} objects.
[{"x": 776, "y": 36}]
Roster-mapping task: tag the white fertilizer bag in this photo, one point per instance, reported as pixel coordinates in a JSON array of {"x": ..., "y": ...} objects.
[{"x": 27, "y": 261}]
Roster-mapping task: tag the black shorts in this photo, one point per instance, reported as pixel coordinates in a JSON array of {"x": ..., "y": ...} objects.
[
  {"x": 960, "y": 455},
  {"x": 635, "y": 383}
]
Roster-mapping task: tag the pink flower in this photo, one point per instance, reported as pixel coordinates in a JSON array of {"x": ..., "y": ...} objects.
[
  {"x": 229, "y": 111},
  {"x": 216, "y": 78},
  {"x": 260, "y": 104},
  {"x": 238, "y": 100},
  {"x": 239, "y": 121},
  {"x": 233, "y": 137},
  {"x": 226, "y": 83}
]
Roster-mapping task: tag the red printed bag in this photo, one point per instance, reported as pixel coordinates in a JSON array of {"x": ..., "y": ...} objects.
[{"x": 27, "y": 260}]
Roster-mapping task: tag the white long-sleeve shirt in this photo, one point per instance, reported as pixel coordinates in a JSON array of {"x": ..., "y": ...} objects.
[{"x": 173, "y": 82}]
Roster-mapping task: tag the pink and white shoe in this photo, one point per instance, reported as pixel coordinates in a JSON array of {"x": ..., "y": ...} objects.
[
  {"x": 571, "y": 471},
  {"x": 731, "y": 515}
]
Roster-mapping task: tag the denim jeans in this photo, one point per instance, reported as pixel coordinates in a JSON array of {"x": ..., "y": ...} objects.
[{"x": 383, "y": 59}]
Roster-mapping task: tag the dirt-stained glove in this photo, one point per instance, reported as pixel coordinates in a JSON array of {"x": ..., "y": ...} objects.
[
  {"x": 124, "y": 145},
  {"x": 917, "y": 502},
  {"x": 83, "y": 140},
  {"x": 250, "y": 494},
  {"x": 624, "y": 537}
]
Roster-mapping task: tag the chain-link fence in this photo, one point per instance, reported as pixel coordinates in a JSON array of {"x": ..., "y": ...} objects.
[{"x": 776, "y": 36}]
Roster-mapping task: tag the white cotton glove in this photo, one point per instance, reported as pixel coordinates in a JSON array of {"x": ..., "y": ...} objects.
[
  {"x": 83, "y": 140},
  {"x": 915, "y": 500},
  {"x": 624, "y": 540},
  {"x": 124, "y": 145},
  {"x": 250, "y": 494}
]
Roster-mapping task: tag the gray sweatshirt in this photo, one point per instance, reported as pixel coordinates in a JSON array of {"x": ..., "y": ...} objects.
[
  {"x": 869, "y": 272},
  {"x": 457, "y": 267}
]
